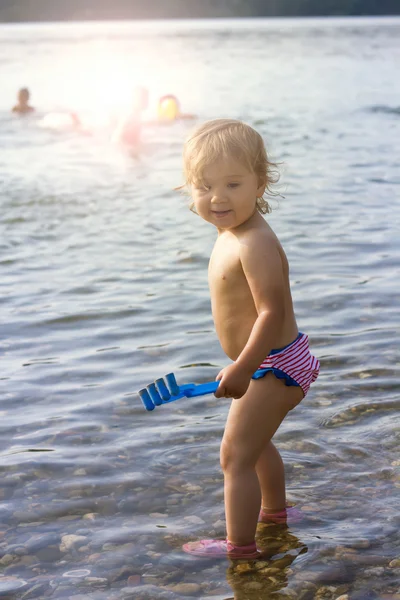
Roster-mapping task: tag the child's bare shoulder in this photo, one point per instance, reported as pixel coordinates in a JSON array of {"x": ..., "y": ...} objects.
[{"x": 260, "y": 238}]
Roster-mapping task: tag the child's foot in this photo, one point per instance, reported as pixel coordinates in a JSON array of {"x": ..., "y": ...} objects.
[
  {"x": 221, "y": 549},
  {"x": 289, "y": 515}
]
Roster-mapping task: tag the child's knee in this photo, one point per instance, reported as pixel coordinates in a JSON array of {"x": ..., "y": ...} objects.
[{"x": 235, "y": 458}]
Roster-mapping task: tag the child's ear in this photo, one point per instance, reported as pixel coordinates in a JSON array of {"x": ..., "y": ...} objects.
[{"x": 262, "y": 184}]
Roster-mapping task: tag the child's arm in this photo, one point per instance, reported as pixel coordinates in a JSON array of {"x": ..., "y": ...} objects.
[
  {"x": 187, "y": 116},
  {"x": 262, "y": 267}
]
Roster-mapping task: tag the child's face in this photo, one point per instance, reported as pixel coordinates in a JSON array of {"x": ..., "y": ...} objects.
[
  {"x": 23, "y": 96},
  {"x": 227, "y": 196}
]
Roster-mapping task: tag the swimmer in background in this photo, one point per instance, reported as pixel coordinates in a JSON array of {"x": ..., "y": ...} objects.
[
  {"x": 64, "y": 117},
  {"x": 22, "y": 107},
  {"x": 169, "y": 110},
  {"x": 129, "y": 129}
]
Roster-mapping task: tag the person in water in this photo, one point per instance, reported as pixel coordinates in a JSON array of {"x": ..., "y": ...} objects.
[
  {"x": 228, "y": 171},
  {"x": 22, "y": 107},
  {"x": 129, "y": 129},
  {"x": 169, "y": 109}
]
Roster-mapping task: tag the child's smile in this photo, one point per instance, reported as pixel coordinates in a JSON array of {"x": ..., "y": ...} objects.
[{"x": 220, "y": 213}]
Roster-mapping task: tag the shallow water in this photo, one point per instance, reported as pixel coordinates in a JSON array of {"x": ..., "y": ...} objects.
[{"x": 104, "y": 288}]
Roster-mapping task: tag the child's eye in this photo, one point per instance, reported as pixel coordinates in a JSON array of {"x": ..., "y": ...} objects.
[
  {"x": 202, "y": 187},
  {"x": 233, "y": 185}
]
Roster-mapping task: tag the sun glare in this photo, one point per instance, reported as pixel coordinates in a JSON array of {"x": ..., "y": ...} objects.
[{"x": 99, "y": 86}]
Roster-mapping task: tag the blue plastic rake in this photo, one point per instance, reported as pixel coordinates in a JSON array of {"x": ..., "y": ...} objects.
[{"x": 166, "y": 390}]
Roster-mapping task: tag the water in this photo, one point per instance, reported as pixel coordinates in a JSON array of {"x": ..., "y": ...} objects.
[{"x": 104, "y": 288}]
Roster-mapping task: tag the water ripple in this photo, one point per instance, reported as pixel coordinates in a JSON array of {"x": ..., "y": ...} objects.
[{"x": 104, "y": 289}]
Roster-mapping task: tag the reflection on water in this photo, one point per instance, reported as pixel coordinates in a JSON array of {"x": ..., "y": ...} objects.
[
  {"x": 104, "y": 289},
  {"x": 251, "y": 580}
]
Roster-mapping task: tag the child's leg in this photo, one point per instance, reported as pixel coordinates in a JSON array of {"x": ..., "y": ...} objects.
[
  {"x": 252, "y": 421},
  {"x": 271, "y": 476}
]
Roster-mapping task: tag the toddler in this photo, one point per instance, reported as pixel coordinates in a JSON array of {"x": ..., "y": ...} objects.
[{"x": 227, "y": 170}]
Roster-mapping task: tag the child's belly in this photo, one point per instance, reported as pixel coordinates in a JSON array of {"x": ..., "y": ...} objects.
[{"x": 233, "y": 332}]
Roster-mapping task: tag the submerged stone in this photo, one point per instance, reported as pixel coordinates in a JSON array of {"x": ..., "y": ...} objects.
[{"x": 11, "y": 584}]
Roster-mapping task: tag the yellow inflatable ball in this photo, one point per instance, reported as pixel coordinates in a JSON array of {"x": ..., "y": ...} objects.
[{"x": 168, "y": 108}]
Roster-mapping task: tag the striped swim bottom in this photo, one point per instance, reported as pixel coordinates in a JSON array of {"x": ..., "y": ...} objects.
[{"x": 294, "y": 363}]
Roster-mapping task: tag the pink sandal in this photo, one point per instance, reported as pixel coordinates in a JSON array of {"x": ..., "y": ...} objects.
[
  {"x": 289, "y": 515},
  {"x": 221, "y": 549}
]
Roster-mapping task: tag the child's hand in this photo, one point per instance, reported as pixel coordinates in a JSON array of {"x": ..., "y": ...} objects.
[{"x": 234, "y": 382}]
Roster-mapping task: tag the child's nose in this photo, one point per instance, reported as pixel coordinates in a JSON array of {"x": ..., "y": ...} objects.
[{"x": 218, "y": 196}]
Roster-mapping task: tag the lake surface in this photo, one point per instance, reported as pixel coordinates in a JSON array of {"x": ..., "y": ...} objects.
[{"x": 103, "y": 275}]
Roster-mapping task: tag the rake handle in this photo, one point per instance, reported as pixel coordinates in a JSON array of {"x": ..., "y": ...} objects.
[{"x": 191, "y": 390}]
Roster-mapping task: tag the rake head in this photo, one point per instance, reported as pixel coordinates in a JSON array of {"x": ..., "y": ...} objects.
[{"x": 166, "y": 390}]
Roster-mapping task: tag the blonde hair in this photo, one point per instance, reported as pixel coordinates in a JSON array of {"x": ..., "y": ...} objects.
[{"x": 229, "y": 138}]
